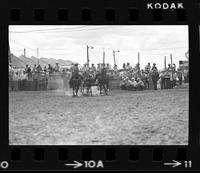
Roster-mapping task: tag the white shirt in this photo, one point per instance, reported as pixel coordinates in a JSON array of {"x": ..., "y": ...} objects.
[{"x": 23, "y": 76}]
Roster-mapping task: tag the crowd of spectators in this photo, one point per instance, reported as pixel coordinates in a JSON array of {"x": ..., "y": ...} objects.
[
  {"x": 133, "y": 78},
  {"x": 149, "y": 77}
]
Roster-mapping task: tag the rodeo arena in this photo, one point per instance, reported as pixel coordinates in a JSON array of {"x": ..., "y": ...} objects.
[
  {"x": 39, "y": 87},
  {"x": 74, "y": 102}
]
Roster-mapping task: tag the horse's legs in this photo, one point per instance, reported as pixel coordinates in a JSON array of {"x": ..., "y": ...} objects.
[
  {"x": 91, "y": 91},
  {"x": 105, "y": 89},
  {"x": 77, "y": 91},
  {"x": 73, "y": 91},
  {"x": 100, "y": 88}
]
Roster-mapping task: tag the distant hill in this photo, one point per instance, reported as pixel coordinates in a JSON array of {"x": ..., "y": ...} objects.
[{"x": 22, "y": 61}]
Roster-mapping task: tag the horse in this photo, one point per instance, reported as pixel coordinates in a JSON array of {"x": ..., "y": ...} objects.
[
  {"x": 102, "y": 81},
  {"x": 75, "y": 83}
]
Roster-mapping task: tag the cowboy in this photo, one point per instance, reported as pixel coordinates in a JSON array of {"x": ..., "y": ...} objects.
[{"x": 75, "y": 70}]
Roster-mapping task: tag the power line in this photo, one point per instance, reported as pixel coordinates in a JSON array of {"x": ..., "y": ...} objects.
[
  {"x": 61, "y": 30},
  {"x": 41, "y": 30}
]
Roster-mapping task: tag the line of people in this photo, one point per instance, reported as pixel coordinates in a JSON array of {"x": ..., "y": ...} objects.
[{"x": 150, "y": 77}]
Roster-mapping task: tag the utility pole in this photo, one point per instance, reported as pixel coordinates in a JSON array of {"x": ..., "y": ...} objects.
[
  {"x": 38, "y": 55},
  {"x": 24, "y": 52},
  {"x": 138, "y": 62},
  {"x": 171, "y": 59},
  {"x": 103, "y": 57},
  {"x": 165, "y": 63},
  {"x": 114, "y": 56},
  {"x": 171, "y": 65},
  {"x": 88, "y": 55},
  {"x": 88, "y": 60}
]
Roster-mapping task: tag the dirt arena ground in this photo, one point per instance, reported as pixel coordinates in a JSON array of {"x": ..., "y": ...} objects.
[{"x": 123, "y": 118}]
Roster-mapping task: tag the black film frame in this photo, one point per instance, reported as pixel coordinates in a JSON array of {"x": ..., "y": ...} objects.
[{"x": 106, "y": 12}]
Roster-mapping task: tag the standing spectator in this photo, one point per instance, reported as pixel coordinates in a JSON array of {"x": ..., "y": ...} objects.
[
  {"x": 115, "y": 67},
  {"x": 71, "y": 67},
  {"x": 34, "y": 68},
  {"x": 85, "y": 69},
  {"x": 93, "y": 68},
  {"x": 11, "y": 74},
  {"x": 169, "y": 68},
  {"x": 107, "y": 67},
  {"x": 99, "y": 68},
  {"x": 15, "y": 81},
  {"x": 39, "y": 68},
  {"x": 29, "y": 74},
  {"x": 124, "y": 66},
  {"x": 171, "y": 79},
  {"x": 128, "y": 67},
  {"x": 162, "y": 80},
  {"x": 11, "y": 68},
  {"x": 50, "y": 69},
  {"x": 57, "y": 68},
  {"x": 26, "y": 68},
  {"x": 23, "y": 77},
  {"x": 174, "y": 78},
  {"x": 167, "y": 80},
  {"x": 174, "y": 67},
  {"x": 148, "y": 67},
  {"x": 45, "y": 69},
  {"x": 154, "y": 68}
]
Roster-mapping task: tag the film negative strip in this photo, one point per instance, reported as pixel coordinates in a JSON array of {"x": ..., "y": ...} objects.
[{"x": 99, "y": 85}]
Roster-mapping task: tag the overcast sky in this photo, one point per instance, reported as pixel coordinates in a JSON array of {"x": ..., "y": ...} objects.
[{"x": 69, "y": 42}]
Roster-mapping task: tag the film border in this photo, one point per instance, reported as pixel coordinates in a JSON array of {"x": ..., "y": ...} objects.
[{"x": 23, "y": 157}]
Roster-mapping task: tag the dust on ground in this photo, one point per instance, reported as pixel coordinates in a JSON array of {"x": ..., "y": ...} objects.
[{"x": 122, "y": 118}]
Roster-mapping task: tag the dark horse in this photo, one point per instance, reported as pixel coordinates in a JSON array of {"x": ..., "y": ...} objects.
[
  {"x": 75, "y": 83},
  {"x": 102, "y": 81}
]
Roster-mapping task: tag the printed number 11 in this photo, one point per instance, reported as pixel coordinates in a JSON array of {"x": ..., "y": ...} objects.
[{"x": 188, "y": 164}]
